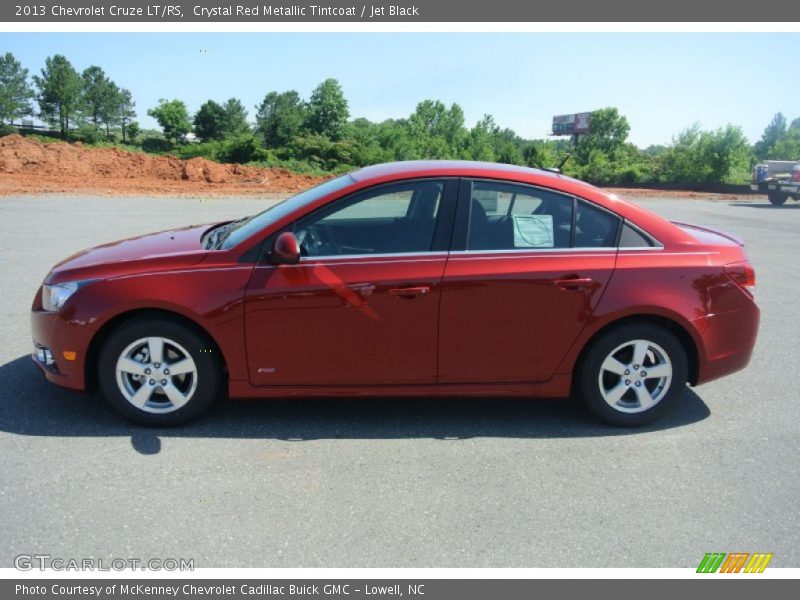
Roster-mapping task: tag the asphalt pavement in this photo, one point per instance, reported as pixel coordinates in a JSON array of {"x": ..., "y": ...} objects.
[{"x": 396, "y": 483}]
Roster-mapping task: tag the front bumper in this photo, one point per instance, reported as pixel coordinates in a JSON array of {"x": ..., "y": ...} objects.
[{"x": 67, "y": 344}]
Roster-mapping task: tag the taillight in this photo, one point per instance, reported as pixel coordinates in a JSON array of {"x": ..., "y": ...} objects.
[
  {"x": 796, "y": 173},
  {"x": 743, "y": 274}
]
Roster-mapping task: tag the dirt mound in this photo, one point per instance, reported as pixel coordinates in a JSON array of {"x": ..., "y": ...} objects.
[{"x": 30, "y": 166}]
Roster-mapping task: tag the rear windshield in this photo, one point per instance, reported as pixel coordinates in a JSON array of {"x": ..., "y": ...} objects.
[{"x": 276, "y": 212}]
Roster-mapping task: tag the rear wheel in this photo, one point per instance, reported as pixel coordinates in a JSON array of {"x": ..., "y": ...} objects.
[
  {"x": 158, "y": 372},
  {"x": 777, "y": 199},
  {"x": 633, "y": 373}
]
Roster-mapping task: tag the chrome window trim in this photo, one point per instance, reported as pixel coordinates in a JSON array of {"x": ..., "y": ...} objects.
[
  {"x": 641, "y": 248},
  {"x": 431, "y": 255},
  {"x": 603, "y": 250},
  {"x": 436, "y": 255}
]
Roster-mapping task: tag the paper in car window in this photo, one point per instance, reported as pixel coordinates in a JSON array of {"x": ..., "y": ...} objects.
[{"x": 533, "y": 231}]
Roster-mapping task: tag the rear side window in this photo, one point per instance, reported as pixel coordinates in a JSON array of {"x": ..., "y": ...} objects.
[
  {"x": 633, "y": 238},
  {"x": 595, "y": 227},
  {"x": 511, "y": 217},
  {"x": 517, "y": 217}
]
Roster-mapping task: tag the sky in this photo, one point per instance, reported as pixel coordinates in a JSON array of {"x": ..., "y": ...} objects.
[{"x": 662, "y": 82}]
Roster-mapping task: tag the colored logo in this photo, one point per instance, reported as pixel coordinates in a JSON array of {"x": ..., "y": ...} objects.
[{"x": 735, "y": 562}]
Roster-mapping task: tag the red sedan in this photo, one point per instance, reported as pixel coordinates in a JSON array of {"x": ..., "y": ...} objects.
[{"x": 414, "y": 278}]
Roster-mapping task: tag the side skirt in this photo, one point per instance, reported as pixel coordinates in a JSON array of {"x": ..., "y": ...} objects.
[{"x": 557, "y": 387}]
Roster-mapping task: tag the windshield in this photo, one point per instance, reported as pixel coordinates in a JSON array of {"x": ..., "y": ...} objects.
[{"x": 251, "y": 225}]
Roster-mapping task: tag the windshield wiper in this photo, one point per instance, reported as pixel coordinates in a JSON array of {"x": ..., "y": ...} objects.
[{"x": 219, "y": 234}]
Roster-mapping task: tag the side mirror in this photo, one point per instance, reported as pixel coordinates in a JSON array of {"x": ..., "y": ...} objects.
[{"x": 285, "y": 250}]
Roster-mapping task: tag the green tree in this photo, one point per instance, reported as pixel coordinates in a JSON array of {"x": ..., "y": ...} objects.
[
  {"x": 480, "y": 145},
  {"x": 327, "y": 110},
  {"x": 705, "y": 156},
  {"x": 608, "y": 131},
  {"x": 133, "y": 131},
  {"x": 773, "y": 133},
  {"x": 437, "y": 131},
  {"x": 127, "y": 112},
  {"x": 727, "y": 154},
  {"x": 508, "y": 147},
  {"x": 280, "y": 118},
  {"x": 172, "y": 117},
  {"x": 788, "y": 147},
  {"x": 234, "y": 121},
  {"x": 15, "y": 90},
  {"x": 110, "y": 111},
  {"x": 100, "y": 97},
  {"x": 209, "y": 121},
  {"x": 60, "y": 92}
]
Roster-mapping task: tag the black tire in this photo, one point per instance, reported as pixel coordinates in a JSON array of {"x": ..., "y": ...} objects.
[
  {"x": 205, "y": 381},
  {"x": 588, "y": 378},
  {"x": 777, "y": 199}
]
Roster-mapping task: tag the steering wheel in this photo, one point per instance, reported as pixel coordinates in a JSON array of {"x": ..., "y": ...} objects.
[{"x": 313, "y": 241}]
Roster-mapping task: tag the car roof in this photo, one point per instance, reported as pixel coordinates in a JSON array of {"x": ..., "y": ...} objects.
[{"x": 467, "y": 168}]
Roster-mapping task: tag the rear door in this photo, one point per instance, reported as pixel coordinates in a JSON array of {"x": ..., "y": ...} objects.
[
  {"x": 528, "y": 267},
  {"x": 361, "y": 307}
]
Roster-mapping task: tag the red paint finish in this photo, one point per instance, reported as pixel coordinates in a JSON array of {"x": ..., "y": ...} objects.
[
  {"x": 447, "y": 322},
  {"x": 344, "y": 321},
  {"x": 512, "y": 317}
]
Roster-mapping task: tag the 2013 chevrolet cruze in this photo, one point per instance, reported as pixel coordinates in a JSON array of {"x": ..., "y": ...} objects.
[{"x": 413, "y": 278}]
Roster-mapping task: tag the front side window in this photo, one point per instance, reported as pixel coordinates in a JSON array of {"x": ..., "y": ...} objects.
[
  {"x": 393, "y": 219},
  {"x": 248, "y": 227}
]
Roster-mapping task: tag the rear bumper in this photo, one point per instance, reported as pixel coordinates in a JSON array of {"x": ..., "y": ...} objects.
[
  {"x": 728, "y": 341},
  {"x": 782, "y": 187},
  {"x": 67, "y": 343}
]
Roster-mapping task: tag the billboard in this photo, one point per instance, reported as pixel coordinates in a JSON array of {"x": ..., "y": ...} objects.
[{"x": 571, "y": 124}]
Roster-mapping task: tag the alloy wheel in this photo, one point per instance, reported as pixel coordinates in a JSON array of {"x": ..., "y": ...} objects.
[
  {"x": 156, "y": 375},
  {"x": 635, "y": 376}
]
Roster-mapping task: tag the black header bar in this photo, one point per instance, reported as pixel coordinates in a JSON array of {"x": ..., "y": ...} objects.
[{"x": 419, "y": 11}]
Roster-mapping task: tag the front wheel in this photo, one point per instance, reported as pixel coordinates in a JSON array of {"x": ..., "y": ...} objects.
[
  {"x": 777, "y": 199},
  {"x": 158, "y": 372},
  {"x": 632, "y": 374}
]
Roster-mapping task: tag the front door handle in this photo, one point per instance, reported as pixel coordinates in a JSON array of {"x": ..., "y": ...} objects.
[
  {"x": 409, "y": 292},
  {"x": 574, "y": 283}
]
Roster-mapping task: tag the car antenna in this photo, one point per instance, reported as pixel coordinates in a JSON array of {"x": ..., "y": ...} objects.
[{"x": 560, "y": 165}]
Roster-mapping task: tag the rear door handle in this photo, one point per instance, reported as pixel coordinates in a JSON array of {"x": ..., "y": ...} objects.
[
  {"x": 574, "y": 283},
  {"x": 410, "y": 292},
  {"x": 365, "y": 289}
]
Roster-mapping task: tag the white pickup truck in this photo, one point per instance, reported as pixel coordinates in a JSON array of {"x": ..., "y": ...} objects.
[{"x": 778, "y": 179}]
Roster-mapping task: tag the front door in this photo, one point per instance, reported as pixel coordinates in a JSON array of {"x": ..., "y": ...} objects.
[
  {"x": 361, "y": 307},
  {"x": 525, "y": 283}
]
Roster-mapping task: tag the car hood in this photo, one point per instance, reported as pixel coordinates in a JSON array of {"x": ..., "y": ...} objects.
[{"x": 174, "y": 247}]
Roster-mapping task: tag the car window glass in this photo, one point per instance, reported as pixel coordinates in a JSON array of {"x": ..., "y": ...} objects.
[
  {"x": 264, "y": 219},
  {"x": 388, "y": 220},
  {"x": 594, "y": 227},
  {"x": 631, "y": 238},
  {"x": 393, "y": 204},
  {"x": 508, "y": 217}
]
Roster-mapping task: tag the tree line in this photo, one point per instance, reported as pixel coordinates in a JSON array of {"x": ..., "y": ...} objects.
[
  {"x": 318, "y": 133},
  {"x": 67, "y": 99}
]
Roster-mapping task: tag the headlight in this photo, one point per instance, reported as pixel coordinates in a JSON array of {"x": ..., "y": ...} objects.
[{"x": 55, "y": 296}]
